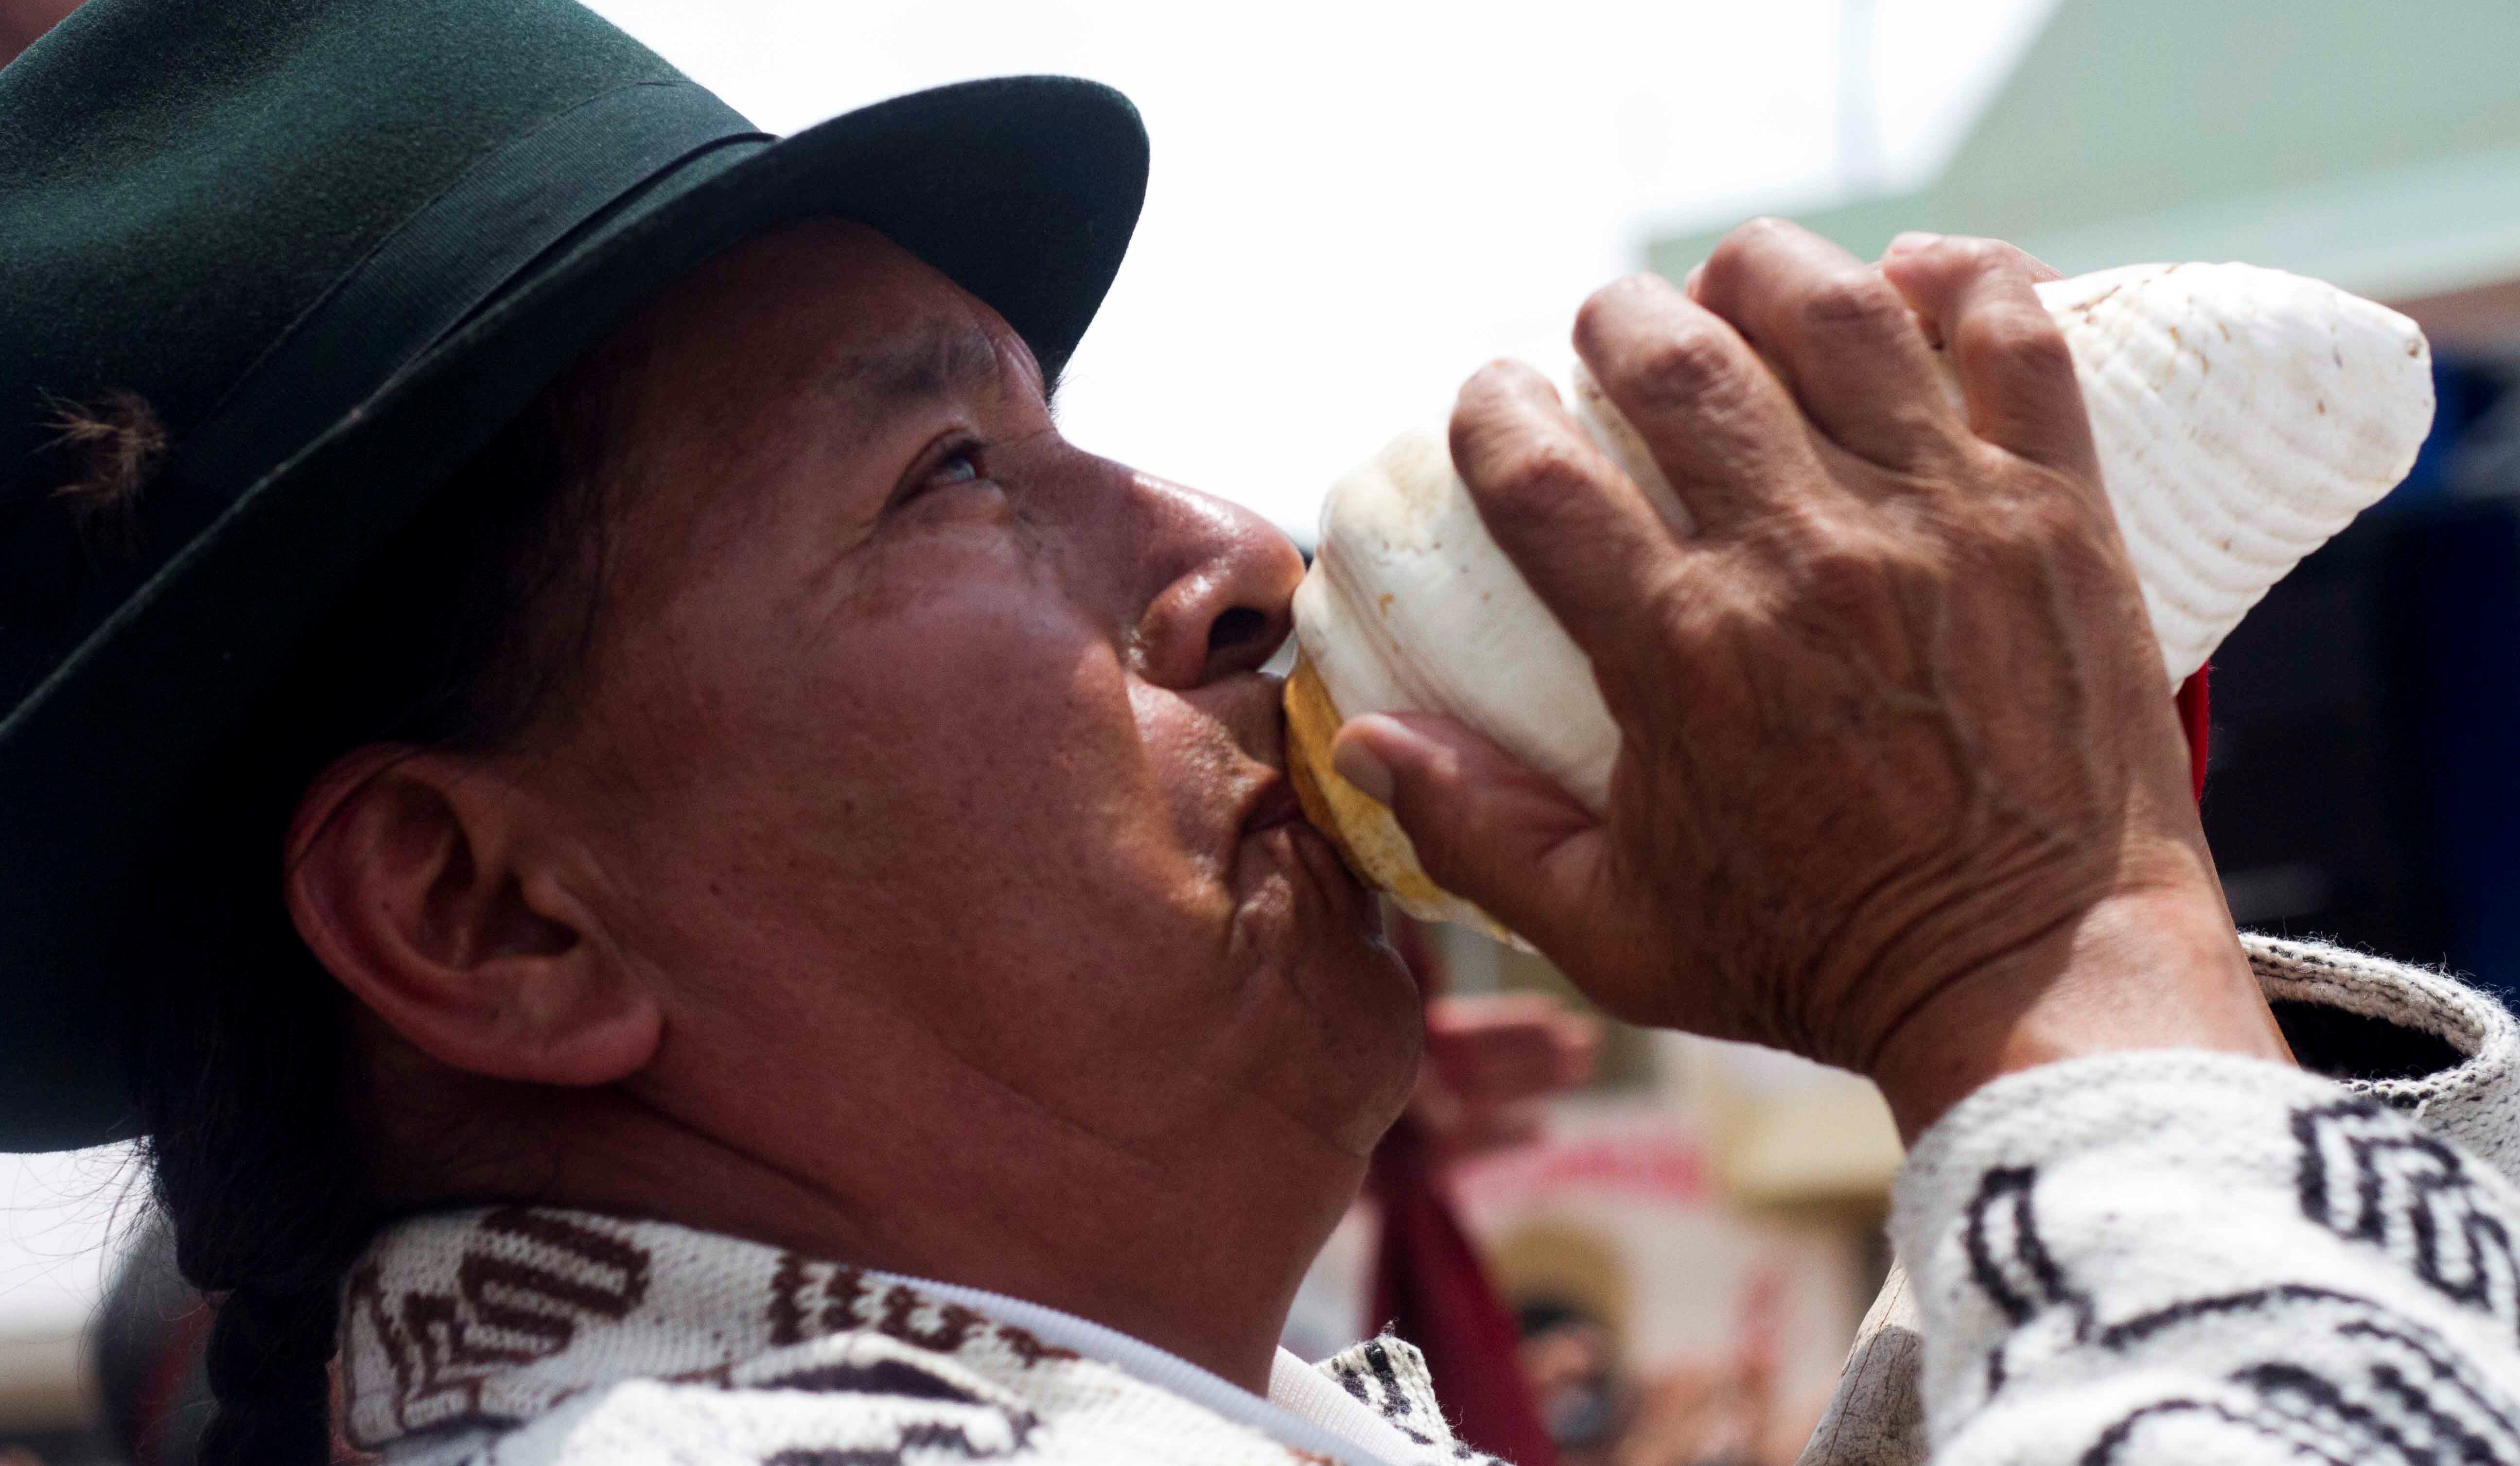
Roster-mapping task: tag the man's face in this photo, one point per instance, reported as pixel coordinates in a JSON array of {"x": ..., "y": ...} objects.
[{"x": 926, "y": 758}]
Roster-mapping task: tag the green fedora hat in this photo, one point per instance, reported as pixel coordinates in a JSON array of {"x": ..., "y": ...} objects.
[{"x": 333, "y": 246}]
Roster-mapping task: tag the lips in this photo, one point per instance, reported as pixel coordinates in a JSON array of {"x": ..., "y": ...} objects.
[
  {"x": 1270, "y": 802},
  {"x": 1273, "y": 804},
  {"x": 1271, "y": 825}
]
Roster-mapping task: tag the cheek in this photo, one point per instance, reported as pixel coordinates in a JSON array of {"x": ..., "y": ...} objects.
[
  {"x": 1008, "y": 757},
  {"x": 879, "y": 781}
]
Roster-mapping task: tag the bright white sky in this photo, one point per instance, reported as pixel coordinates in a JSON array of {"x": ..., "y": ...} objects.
[{"x": 1353, "y": 204}]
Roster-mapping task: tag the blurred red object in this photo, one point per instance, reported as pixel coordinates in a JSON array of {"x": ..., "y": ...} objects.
[
  {"x": 1488, "y": 1061},
  {"x": 1430, "y": 1289},
  {"x": 2192, "y": 710}
]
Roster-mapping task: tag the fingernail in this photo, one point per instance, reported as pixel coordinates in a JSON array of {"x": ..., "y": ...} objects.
[
  {"x": 1363, "y": 768},
  {"x": 1915, "y": 239}
]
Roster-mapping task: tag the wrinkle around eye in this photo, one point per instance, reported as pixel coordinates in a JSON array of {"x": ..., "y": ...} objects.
[{"x": 921, "y": 476}]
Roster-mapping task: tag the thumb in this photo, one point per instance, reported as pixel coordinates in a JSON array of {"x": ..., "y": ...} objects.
[{"x": 1485, "y": 826}]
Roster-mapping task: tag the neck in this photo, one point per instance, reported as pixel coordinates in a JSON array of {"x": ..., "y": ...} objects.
[{"x": 1196, "y": 1251}]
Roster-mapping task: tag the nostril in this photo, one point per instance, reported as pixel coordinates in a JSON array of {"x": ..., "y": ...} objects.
[{"x": 1235, "y": 628}]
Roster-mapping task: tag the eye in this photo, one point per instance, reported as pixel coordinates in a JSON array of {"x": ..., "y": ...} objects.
[{"x": 951, "y": 461}]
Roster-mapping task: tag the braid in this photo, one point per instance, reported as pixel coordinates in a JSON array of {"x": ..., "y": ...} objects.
[
  {"x": 255, "y": 1163},
  {"x": 269, "y": 1358},
  {"x": 247, "y": 1082}
]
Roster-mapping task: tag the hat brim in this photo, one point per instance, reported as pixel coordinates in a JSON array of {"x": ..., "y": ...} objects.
[{"x": 1024, "y": 191}]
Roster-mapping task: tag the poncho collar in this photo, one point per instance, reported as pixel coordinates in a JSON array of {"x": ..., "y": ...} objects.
[{"x": 486, "y": 1320}]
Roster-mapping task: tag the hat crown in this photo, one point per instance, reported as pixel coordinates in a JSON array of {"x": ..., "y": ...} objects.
[{"x": 182, "y": 183}]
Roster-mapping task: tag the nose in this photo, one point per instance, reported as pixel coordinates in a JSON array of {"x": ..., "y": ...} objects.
[{"x": 1226, "y": 587}]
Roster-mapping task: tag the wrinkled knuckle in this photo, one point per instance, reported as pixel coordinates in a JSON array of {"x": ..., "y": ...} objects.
[
  {"x": 1839, "y": 572},
  {"x": 2021, "y": 339},
  {"x": 1488, "y": 418},
  {"x": 1628, "y": 300},
  {"x": 1699, "y": 622},
  {"x": 2054, "y": 520},
  {"x": 2002, "y": 256},
  {"x": 1474, "y": 413},
  {"x": 1619, "y": 294},
  {"x": 1859, "y": 299},
  {"x": 1762, "y": 233},
  {"x": 2039, "y": 347},
  {"x": 1680, "y": 367},
  {"x": 1977, "y": 253},
  {"x": 1669, "y": 596},
  {"x": 1534, "y": 479},
  {"x": 2038, "y": 529},
  {"x": 1493, "y": 386},
  {"x": 1745, "y": 241},
  {"x": 1490, "y": 379},
  {"x": 1594, "y": 314}
]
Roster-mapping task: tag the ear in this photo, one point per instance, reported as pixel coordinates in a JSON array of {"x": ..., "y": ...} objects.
[{"x": 426, "y": 883}]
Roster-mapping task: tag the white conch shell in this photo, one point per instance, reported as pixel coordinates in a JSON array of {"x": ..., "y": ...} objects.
[{"x": 2242, "y": 416}]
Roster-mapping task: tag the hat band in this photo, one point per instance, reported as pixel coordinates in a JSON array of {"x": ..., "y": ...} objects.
[{"x": 452, "y": 256}]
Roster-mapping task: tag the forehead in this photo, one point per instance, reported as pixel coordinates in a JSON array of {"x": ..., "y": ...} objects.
[{"x": 819, "y": 313}]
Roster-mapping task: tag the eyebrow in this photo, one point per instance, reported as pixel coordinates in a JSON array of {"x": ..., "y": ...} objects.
[{"x": 933, "y": 361}]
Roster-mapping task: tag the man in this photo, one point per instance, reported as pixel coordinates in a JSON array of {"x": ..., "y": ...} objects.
[{"x": 751, "y": 913}]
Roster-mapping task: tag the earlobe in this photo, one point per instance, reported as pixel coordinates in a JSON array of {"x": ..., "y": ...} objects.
[{"x": 427, "y": 884}]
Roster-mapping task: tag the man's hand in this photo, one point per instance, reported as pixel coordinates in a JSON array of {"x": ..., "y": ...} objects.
[{"x": 1901, "y": 786}]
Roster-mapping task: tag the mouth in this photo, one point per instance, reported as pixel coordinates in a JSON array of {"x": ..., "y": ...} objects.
[
  {"x": 1294, "y": 873},
  {"x": 1270, "y": 805},
  {"x": 1277, "y": 831},
  {"x": 1273, "y": 806}
]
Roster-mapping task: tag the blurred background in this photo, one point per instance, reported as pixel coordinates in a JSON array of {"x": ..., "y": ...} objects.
[{"x": 1353, "y": 204}]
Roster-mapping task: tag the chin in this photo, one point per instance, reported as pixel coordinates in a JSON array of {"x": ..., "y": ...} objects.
[
  {"x": 1368, "y": 1062},
  {"x": 1351, "y": 1020}
]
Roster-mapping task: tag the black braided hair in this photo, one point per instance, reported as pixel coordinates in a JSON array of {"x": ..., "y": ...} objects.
[{"x": 463, "y": 636}]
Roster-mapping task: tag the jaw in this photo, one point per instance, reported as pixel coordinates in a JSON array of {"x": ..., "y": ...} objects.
[{"x": 1332, "y": 1022}]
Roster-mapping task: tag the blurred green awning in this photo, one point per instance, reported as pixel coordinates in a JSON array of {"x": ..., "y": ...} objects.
[{"x": 2373, "y": 143}]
